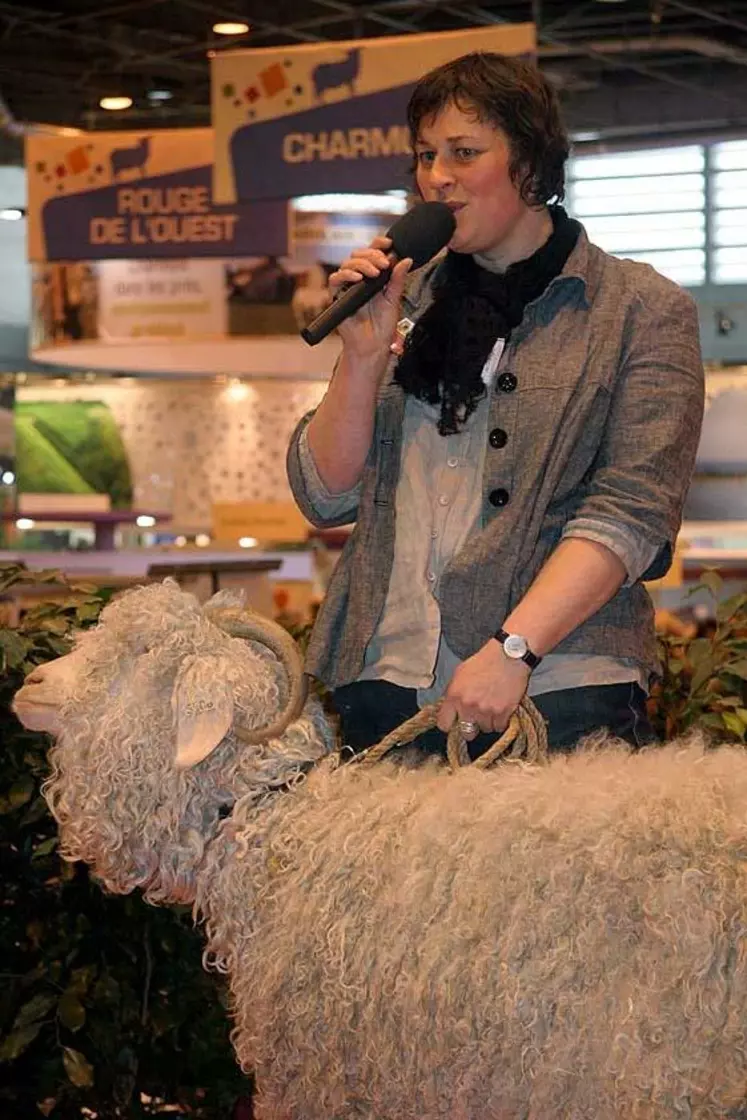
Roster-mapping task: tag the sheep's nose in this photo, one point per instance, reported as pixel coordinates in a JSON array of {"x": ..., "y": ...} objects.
[{"x": 36, "y": 676}]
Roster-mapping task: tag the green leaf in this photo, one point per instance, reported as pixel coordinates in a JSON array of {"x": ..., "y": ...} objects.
[
  {"x": 713, "y": 581},
  {"x": 14, "y": 1044},
  {"x": 712, "y": 720},
  {"x": 71, "y": 1012},
  {"x": 37, "y": 811},
  {"x": 702, "y": 673},
  {"x": 88, "y": 612},
  {"x": 37, "y": 1008},
  {"x": 737, "y": 669},
  {"x": 80, "y": 981},
  {"x": 13, "y": 649},
  {"x": 728, "y": 608},
  {"x": 19, "y": 793},
  {"x": 78, "y": 1069},
  {"x": 45, "y": 848},
  {"x": 734, "y": 724},
  {"x": 53, "y": 625}
]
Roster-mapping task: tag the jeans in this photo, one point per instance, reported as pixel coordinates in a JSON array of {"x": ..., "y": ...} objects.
[{"x": 369, "y": 710}]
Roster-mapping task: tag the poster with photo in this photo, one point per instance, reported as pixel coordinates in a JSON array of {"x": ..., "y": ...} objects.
[{"x": 115, "y": 301}]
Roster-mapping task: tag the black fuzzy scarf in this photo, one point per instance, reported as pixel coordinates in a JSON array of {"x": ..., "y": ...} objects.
[{"x": 446, "y": 350}]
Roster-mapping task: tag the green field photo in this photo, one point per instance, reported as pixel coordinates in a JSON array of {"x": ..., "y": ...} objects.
[{"x": 71, "y": 447}]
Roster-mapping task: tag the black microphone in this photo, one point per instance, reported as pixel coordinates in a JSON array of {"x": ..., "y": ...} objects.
[{"x": 420, "y": 234}]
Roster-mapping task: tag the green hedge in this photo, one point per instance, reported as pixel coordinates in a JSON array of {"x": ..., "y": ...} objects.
[{"x": 103, "y": 1000}]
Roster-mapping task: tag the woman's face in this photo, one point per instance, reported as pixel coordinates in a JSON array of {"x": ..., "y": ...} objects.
[{"x": 465, "y": 163}]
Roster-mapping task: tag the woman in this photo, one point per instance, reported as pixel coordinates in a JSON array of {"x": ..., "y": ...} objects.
[{"x": 519, "y": 464}]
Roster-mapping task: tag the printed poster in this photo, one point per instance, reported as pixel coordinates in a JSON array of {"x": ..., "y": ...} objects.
[
  {"x": 146, "y": 195},
  {"x": 328, "y": 116}
]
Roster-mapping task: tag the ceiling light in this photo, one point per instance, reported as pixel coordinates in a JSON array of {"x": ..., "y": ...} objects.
[
  {"x": 115, "y": 104},
  {"x": 145, "y": 521},
  {"x": 160, "y": 95},
  {"x": 230, "y": 27},
  {"x": 24, "y": 523},
  {"x": 11, "y": 214},
  {"x": 247, "y": 542},
  {"x": 8, "y": 478}
]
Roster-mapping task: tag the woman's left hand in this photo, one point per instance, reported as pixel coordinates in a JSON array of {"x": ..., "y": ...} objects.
[{"x": 486, "y": 689}]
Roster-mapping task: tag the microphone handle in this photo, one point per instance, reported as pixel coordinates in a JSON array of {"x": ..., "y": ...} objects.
[{"x": 351, "y": 300}]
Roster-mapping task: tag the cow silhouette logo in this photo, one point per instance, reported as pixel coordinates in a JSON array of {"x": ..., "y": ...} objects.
[
  {"x": 130, "y": 159},
  {"x": 335, "y": 75}
]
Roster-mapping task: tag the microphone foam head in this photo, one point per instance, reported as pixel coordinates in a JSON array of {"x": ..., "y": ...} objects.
[{"x": 422, "y": 232}]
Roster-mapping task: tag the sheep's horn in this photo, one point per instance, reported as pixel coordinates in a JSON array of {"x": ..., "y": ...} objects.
[{"x": 247, "y": 624}]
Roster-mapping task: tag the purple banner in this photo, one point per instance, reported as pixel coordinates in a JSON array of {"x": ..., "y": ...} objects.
[
  {"x": 361, "y": 144},
  {"x": 161, "y": 216}
]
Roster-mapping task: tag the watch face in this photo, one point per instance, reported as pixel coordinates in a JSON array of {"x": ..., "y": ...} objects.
[{"x": 515, "y": 646}]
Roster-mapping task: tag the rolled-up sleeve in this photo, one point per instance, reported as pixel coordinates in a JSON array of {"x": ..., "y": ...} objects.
[
  {"x": 642, "y": 471},
  {"x": 631, "y": 548},
  {"x": 316, "y": 502}
]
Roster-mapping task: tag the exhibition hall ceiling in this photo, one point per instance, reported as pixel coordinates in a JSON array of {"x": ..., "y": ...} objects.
[{"x": 621, "y": 66}]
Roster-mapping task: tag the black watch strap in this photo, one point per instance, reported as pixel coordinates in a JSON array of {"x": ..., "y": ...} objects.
[{"x": 529, "y": 658}]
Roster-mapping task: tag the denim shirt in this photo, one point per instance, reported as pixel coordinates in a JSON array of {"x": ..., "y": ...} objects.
[{"x": 600, "y": 395}]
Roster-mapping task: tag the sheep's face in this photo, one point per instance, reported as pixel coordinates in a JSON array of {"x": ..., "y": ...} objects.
[
  {"x": 38, "y": 703},
  {"x": 155, "y": 683}
]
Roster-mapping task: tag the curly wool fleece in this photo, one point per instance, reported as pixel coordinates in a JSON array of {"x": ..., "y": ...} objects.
[
  {"x": 523, "y": 944},
  {"x": 527, "y": 944},
  {"x": 121, "y": 804}
]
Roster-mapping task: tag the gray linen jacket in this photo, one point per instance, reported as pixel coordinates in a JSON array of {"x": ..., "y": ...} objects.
[{"x": 601, "y": 392}]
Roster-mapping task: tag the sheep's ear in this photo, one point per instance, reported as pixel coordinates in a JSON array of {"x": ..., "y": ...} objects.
[{"x": 202, "y": 703}]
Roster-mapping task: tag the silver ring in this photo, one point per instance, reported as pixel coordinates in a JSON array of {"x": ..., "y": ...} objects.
[{"x": 467, "y": 727}]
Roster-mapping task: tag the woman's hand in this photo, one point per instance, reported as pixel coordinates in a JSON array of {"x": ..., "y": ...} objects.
[
  {"x": 369, "y": 332},
  {"x": 486, "y": 689}
]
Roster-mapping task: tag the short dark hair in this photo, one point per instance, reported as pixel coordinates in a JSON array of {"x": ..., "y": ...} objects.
[{"x": 514, "y": 95}]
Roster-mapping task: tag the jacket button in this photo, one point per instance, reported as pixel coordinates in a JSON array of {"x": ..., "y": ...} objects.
[
  {"x": 498, "y": 438},
  {"x": 507, "y": 382},
  {"x": 498, "y": 497}
]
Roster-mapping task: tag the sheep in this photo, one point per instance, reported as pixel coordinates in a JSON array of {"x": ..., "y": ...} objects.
[
  {"x": 529, "y": 942},
  {"x": 132, "y": 158},
  {"x": 334, "y": 75}
]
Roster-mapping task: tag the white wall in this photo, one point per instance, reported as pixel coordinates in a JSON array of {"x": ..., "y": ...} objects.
[{"x": 15, "y": 279}]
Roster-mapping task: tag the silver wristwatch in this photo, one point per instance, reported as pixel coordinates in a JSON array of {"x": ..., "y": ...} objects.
[{"x": 517, "y": 648}]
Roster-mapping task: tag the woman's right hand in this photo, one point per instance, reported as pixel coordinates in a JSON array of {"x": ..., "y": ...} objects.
[{"x": 369, "y": 333}]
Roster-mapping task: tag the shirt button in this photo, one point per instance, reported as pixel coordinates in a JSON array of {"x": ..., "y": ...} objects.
[
  {"x": 507, "y": 382},
  {"x": 498, "y": 438},
  {"x": 443, "y": 500},
  {"x": 452, "y": 462},
  {"x": 498, "y": 497},
  {"x": 434, "y": 534},
  {"x": 431, "y": 577}
]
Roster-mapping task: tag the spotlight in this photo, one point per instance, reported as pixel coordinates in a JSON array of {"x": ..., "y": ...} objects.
[
  {"x": 115, "y": 104},
  {"x": 230, "y": 27}
]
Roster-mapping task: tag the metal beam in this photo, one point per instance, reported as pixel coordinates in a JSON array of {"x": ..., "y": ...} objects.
[
  {"x": 486, "y": 18},
  {"x": 703, "y": 13},
  {"x": 127, "y": 55}
]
